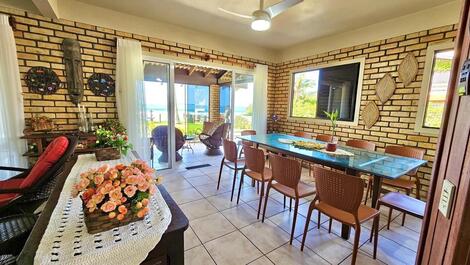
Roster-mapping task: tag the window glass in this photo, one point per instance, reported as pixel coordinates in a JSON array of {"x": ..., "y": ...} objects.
[{"x": 438, "y": 88}]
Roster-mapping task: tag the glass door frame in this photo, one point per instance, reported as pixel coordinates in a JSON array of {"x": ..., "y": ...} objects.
[
  {"x": 232, "y": 97},
  {"x": 172, "y": 60}
]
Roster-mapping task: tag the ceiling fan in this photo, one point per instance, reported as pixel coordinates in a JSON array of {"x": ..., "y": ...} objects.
[{"x": 261, "y": 18}]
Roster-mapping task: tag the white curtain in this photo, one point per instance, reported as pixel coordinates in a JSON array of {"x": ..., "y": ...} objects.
[
  {"x": 130, "y": 94},
  {"x": 260, "y": 99},
  {"x": 11, "y": 102}
]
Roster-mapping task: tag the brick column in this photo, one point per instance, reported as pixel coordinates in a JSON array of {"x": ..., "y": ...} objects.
[{"x": 214, "y": 103}]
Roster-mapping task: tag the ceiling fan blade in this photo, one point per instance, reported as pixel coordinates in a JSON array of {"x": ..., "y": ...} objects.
[
  {"x": 234, "y": 13},
  {"x": 282, "y": 6}
]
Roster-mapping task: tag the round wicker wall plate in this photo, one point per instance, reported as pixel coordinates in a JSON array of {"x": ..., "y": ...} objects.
[
  {"x": 370, "y": 114},
  {"x": 408, "y": 69},
  {"x": 42, "y": 80},
  {"x": 385, "y": 88},
  {"x": 101, "y": 84}
]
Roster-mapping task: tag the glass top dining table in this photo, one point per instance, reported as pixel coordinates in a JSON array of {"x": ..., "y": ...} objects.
[
  {"x": 375, "y": 163},
  {"x": 378, "y": 164}
]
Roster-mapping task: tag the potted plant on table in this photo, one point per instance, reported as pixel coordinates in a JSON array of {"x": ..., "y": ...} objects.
[
  {"x": 111, "y": 141},
  {"x": 333, "y": 116},
  {"x": 115, "y": 196}
]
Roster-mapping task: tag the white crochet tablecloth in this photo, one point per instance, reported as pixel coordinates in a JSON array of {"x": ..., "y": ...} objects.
[{"x": 66, "y": 240}]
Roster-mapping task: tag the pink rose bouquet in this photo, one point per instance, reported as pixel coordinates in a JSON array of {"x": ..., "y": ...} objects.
[{"x": 118, "y": 191}]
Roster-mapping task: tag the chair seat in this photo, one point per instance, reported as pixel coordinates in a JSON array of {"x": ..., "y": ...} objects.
[
  {"x": 10, "y": 184},
  {"x": 240, "y": 164},
  {"x": 304, "y": 189},
  {"x": 257, "y": 176},
  {"x": 404, "y": 203},
  {"x": 6, "y": 198},
  {"x": 407, "y": 184},
  {"x": 364, "y": 213}
]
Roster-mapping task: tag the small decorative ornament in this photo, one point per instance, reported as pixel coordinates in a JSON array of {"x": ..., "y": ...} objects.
[
  {"x": 101, "y": 84},
  {"x": 42, "y": 123},
  {"x": 385, "y": 88},
  {"x": 42, "y": 80},
  {"x": 370, "y": 114},
  {"x": 408, "y": 69}
]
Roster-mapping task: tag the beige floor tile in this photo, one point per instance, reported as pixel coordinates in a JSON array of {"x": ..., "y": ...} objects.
[
  {"x": 211, "y": 190},
  {"x": 185, "y": 196},
  {"x": 222, "y": 201},
  {"x": 390, "y": 252},
  {"x": 266, "y": 236},
  {"x": 362, "y": 259},
  {"x": 285, "y": 219},
  {"x": 201, "y": 180},
  {"x": 402, "y": 235},
  {"x": 272, "y": 208},
  {"x": 233, "y": 249},
  {"x": 332, "y": 248},
  {"x": 190, "y": 239},
  {"x": 291, "y": 254},
  {"x": 211, "y": 227},
  {"x": 197, "y": 256},
  {"x": 249, "y": 194},
  {"x": 176, "y": 185},
  {"x": 411, "y": 222},
  {"x": 197, "y": 209},
  {"x": 261, "y": 261},
  {"x": 241, "y": 215}
]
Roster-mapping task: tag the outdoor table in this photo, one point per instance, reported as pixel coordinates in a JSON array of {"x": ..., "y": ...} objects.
[{"x": 378, "y": 164}]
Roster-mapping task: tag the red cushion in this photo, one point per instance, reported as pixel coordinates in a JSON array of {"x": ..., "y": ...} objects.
[
  {"x": 10, "y": 184},
  {"x": 48, "y": 158},
  {"x": 6, "y": 198}
]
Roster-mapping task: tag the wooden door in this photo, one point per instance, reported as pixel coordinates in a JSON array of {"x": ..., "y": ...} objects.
[{"x": 447, "y": 240}]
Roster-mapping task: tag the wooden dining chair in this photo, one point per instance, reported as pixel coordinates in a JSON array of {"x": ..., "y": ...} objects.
[
  {"x": 324, "y": 137},
  {"x": 255, "y": 168},
  {"x": 403, "y": 203},
  {"x": 339, "y": 196},
  {"x": 286, "y": 180},
  {"x": 231, "y": 161},
  {"x": 409, "y": 181},
  {"x": 361, "y": 144},
  {"x": 242, "y": 143},
  {"x": 369, "y": 146},
  {"x": 303, "y": 134}
]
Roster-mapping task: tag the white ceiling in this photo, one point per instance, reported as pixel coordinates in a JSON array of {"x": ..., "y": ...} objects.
[{"x": 309, "y": 20}]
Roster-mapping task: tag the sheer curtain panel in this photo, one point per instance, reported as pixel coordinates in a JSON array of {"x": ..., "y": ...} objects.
[
  {"x": 11, "y": 102},
  {"x": 130, "y": 94},
  {"x": 260, "y": 99}
]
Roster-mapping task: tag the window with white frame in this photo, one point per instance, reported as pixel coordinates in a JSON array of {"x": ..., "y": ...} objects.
[
  {"x": 434, "y": 87},
  {"x": 328, "y": 88}
]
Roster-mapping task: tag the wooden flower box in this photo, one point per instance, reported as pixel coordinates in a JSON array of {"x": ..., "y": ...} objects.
[
  {"x": 108, "y": 153},
  {"x": 99, "y": 221}
]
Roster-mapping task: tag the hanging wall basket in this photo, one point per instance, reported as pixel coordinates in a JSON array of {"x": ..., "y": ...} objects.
[
  {"x": 408, "y": 69},
  {"x": 385, "y": 88},
  {"x": 370, "y": 114}
]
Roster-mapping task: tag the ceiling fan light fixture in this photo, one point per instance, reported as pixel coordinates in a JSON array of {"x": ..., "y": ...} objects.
[{"x": 261, "y": 21}]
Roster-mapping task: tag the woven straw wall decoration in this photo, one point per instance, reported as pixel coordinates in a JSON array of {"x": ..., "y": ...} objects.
[
  {"x": 385, "y": 88},
  {"x": 408, "y": 69},
  {"x": 370, "y": 114}
]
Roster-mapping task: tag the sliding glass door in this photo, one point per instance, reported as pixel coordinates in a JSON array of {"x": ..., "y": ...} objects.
[
  {"x": 158, "y": 103},
  {"x": 242, "y": 102},
  {"x": 192, "y": 108}
]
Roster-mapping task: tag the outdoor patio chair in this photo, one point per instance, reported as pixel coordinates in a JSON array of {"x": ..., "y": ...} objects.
[
  {"x": 30, "y": 184},
  {"x": 160, "y": 140},
  {"x": 212, "y": 135}
]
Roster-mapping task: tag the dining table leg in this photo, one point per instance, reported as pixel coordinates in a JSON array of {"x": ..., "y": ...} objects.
[{"x": 376, "y": 190}]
